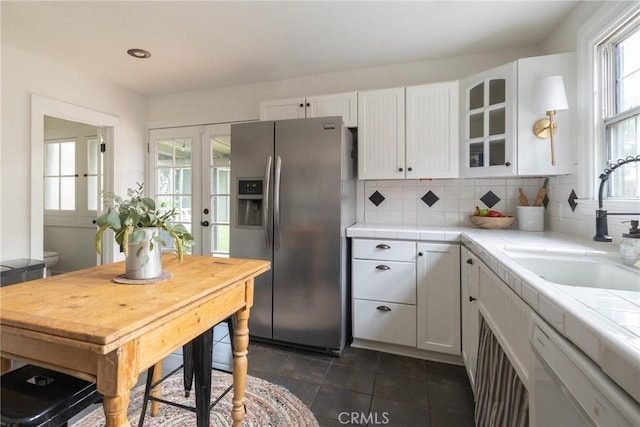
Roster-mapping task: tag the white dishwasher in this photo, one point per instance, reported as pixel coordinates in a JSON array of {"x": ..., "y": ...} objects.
[{"x": 570, "y": 389}]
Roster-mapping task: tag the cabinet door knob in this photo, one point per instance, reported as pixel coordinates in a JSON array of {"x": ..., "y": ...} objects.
[
  {"x": 420, "y": 254},
  {"x": 383, "y": 267},
  {"x": 409, "y": 169},
  {"x": 383, "y": 246},
  {"x": 470, "y": 261},
  {"x": 383, "y": 308},
  {"x": 308, "y": 104},
  {"x": 507, "y": 164},
  {"x": 301, "y": 105},
  {"x": 399, "y": 169},
  {"x": 471, "y": 299}
]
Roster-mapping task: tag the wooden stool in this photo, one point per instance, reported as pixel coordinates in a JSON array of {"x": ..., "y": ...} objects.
[
  {"x": 34, "y": 396},
  {"x": 189, "y": 366}
]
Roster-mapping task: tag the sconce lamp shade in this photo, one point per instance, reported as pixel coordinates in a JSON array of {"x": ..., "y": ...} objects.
[{"x": 549, "y": 95}]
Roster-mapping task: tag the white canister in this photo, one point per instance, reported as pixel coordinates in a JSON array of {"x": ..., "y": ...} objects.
[{"x": 530, "y": 218}]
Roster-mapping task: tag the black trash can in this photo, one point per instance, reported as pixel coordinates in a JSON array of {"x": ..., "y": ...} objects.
[{"x": 21, "y": 270}]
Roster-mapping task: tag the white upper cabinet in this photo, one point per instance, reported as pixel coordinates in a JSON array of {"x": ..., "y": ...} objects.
[
  {"x": 488, "y": 116},
  {"x": 340, "y": 104},
  {"x": 381, "y": 134},
  {"x": 424, "y": 144},
  {"x": 292, "y": 108},
  {"x": 496, "y": 120},
  {"x": 432, "y": 131}
]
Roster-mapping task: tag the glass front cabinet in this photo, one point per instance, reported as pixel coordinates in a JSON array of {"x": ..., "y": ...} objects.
[
  {"x": 497, "y": 117},
  {"x": 487, "y": 137}
]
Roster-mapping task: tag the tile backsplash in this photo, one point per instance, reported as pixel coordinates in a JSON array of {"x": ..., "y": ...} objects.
[
  {"x": 450, "y": 202},
  {"x": 447, "y": 202}
]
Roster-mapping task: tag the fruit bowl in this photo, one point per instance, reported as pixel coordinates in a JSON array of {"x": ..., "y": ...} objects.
[{"x": 492, "y": 223}]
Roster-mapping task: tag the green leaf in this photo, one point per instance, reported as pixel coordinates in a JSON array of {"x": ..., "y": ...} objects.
[
  {"x": 159, "y": 240},
  {"x": 138, "y": 236},
  {"x": 114, "y": 220},
  {"x": 144, "y": 260},
  {"x": 149, "y": 203}
]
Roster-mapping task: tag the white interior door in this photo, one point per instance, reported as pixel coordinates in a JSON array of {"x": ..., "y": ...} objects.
[{"x": 189, "y": 169}]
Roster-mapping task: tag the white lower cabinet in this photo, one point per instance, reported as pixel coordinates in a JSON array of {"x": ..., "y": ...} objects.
[
  {"x": 385, "y": 322},
  {"x": 438, "y": 293},
  {"x": 469, "y": 312},
  {"x": 406, "y": 294},
  {"x": 485, "y": 294},
  {"x": 508, "y": 316}
]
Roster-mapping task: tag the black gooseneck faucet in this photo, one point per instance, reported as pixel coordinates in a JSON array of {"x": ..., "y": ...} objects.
[{"x": 602, "y": 229}]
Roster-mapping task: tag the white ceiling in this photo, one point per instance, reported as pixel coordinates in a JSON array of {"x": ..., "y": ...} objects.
[{"x": 205, "y": 44}]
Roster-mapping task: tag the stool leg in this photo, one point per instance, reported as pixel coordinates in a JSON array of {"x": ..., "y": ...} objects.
[
  {"x": 147, "y": 392},
  {"x": 187, "y": 364},
  {"x": 202, "y": 352},
  {"x": 231, "y": 331},
  {"x": 157, "y": 390}
]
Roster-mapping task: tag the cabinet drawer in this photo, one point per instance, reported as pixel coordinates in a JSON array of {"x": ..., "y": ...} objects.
[
  {"x": 384, "y": 281},
  {"x": 391, "y": 250},
  {"x": 384, "y": 322}
]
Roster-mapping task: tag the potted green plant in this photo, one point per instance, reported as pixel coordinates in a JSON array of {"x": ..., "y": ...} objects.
[{"x": 138, "y": 226}]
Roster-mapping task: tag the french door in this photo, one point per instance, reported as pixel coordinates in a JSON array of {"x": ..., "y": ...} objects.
[{"x": 190, "y": 170}]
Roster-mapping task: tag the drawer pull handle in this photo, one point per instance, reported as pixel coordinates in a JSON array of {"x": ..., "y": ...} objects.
[
  {"x": 383, "y": 246},
  {"x": 470, "y": 261},
  {"x": 383, "y": 267},
  {"x": 383, "y": 308}
]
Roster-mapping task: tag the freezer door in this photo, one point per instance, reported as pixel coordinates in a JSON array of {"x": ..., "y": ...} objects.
[
  {"x": 307, "y": 292},
  {"x": 251, "y": 151}
]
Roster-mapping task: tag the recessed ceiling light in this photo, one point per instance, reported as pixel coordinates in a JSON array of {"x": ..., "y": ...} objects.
[{"x": 139, "y": 53}]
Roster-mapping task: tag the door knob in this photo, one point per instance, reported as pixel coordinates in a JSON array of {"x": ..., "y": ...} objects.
[
  {"x": 471, "y": 299},
  {"x": 470, "y": 261},
  {"x": 204, "y": 223},
  {"x": 205, "y": 211}
]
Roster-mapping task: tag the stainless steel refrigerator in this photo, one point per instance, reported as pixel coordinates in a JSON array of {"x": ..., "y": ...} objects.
[{"x": 293, "y": 195}]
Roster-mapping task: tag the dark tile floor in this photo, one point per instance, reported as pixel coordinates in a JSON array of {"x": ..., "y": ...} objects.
[{"x": 362, "y": 387}]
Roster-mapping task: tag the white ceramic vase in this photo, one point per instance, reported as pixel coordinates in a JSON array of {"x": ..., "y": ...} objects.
[{"x": 145, "y": 263}]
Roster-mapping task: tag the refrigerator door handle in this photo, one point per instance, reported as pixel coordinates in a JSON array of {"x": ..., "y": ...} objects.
[
  {"x": 276, "y": 203},
  {"x": 265, "y": 207}
]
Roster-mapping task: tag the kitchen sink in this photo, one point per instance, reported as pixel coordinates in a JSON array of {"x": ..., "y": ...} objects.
[{"x": 586, "y": 271}]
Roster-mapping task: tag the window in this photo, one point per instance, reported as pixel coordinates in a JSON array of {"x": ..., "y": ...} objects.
[
  {"x": 60, "y": 175},
  {"x": 620, "y": 75},
  {"x": 72, "y": 174}
]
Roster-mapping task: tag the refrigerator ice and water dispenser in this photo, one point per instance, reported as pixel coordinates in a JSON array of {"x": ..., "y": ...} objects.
[{"x": 250, "y": 205}]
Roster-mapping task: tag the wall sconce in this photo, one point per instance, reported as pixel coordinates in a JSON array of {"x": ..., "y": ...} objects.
[{"x": 548, "y": 97}]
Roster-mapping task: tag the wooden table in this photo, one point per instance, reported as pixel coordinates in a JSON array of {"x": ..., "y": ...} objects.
[{"x": 83, "y": 324}]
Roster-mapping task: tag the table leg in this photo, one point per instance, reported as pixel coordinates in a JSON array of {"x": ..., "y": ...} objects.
[
  {"x": 115, "y": 410},
  {"x": 202, "y": 355},
  {"x": 240, "y": 344},
  {"x": 5, "y": 365}
]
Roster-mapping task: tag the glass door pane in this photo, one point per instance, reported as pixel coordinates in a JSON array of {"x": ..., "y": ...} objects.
[
  {"x": 172, "y": 185},
  {"x": 219, "y": 168}
]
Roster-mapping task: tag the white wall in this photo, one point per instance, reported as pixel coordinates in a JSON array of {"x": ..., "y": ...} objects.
[
  {"x": 242, "y": 102},
  {"x": 24, "y": 74}
]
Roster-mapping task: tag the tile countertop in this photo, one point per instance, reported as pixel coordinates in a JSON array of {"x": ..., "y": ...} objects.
[{"x": 610, "y": 337}]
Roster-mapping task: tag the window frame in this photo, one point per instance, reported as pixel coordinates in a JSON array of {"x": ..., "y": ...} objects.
[{"x": 603, "y": 23}]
